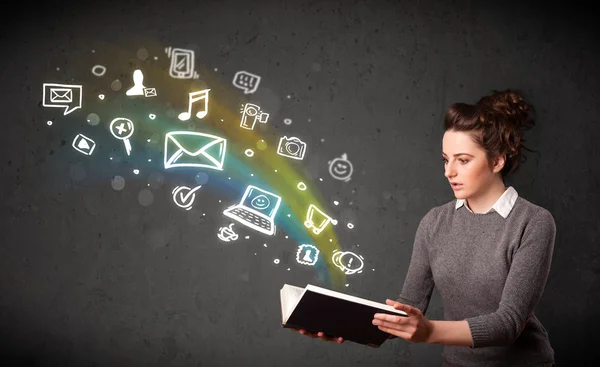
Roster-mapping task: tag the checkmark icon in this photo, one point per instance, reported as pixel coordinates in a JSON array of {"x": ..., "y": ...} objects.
[{"x": 184, "y": 196}]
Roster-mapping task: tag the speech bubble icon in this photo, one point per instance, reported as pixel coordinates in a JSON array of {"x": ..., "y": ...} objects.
[
  {"x": 65, "y": 96},
  {"x": 246, "y": 81}
]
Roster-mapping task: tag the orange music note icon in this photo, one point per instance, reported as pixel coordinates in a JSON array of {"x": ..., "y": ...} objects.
[{"x": 195, "y": 97}]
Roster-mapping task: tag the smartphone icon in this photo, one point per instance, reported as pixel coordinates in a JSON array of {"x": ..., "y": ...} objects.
[{"x": 182, "y": 63}]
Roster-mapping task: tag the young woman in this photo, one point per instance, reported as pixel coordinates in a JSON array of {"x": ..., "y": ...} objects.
[{"x": 488, "y": 252}]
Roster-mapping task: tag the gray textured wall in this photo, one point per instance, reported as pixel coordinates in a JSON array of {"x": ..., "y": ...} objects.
[{"x": 89, "y": 276}]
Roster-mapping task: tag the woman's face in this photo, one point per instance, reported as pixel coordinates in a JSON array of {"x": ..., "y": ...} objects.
[{"x": 465, "y": 163}]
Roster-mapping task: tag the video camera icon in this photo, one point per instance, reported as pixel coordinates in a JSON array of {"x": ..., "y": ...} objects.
[{"x": 251, "y": 114}]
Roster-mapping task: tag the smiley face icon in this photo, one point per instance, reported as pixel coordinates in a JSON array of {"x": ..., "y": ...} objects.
[
  {"x": 261, "y": 202},
  {"x": 340, "y": 168}
]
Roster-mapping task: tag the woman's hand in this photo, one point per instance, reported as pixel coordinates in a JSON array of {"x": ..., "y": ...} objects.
[
  {"x": 415, "y": 328},
  {"x": 321, "y": 335}
]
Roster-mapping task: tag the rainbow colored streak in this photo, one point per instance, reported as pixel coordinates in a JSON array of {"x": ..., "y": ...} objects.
[{"x": 272, "y": 172}]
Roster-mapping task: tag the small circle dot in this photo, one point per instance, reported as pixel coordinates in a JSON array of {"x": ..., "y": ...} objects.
[
  {"x": 249, "y": 152},
  {"x": 287, "y": 121},
  {"x": 145, "y": 197},
  {"x": 261, "y": 144},
  {"x": 276, "y": 261},
  {"x": 301, "y": 186},
  {"x": 152, "y": 116},
  {"x": 136, "y": 171},
  {"x": 350, "y": 225},
  {"x": 101, "y": 96},
  {"x": 201, "y": 178},
  {"x": 117, "y": 183},
  {"x": 49, "y": 123},
  {"x": 142, "y": 54},
  {"x": 93, "y": 119},
  {"x": 116, "y": 85}
]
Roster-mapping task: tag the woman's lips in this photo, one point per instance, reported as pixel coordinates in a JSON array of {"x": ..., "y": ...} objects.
[{"x": 456, "y": 186}]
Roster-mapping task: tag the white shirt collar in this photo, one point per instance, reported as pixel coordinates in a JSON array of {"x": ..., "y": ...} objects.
[{"x": 503, "y": 205}]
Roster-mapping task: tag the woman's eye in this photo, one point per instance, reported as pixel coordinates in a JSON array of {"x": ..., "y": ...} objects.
[{"x": 463, "y": 161}]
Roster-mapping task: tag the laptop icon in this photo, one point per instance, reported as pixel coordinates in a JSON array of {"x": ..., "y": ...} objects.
[{"x": 256, "y": 209}]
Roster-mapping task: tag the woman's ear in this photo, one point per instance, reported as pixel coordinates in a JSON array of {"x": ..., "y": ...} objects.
[{"x": 499, "y": 163}]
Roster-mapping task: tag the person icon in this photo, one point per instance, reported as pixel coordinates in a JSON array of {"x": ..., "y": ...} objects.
[{"x": 138, "y": 86}]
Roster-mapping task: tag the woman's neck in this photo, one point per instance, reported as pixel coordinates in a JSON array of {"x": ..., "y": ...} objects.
[{"x": 482, "y": 203}]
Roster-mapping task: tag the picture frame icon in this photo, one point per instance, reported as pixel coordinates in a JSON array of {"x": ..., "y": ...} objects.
[{"x": 83, "y": 144}]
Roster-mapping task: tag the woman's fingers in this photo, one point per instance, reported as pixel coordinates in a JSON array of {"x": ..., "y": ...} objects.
[
  {"x": 338, "y": 340},
  {"x": 308, "y": 333},
  {"x": 320, "y": 335}
]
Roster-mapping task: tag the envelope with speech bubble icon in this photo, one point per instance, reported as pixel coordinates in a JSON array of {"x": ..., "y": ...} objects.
[
  {"x": 61, "y": 95},
  {"x": 192, "y": 149}
]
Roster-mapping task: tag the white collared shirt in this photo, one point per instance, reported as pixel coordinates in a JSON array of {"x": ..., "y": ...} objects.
[{"x": 503, "y": 205}]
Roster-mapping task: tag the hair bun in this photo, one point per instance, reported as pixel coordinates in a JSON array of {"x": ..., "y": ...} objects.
[{"x": 506, "y": 107}]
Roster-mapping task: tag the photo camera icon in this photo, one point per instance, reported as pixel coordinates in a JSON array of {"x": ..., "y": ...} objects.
[{"x": 291, "y": 147}]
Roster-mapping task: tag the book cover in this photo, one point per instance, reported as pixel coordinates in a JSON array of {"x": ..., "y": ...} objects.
[{"x": 333, "y": 313}]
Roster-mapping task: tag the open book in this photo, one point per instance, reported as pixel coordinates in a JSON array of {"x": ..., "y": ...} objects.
[{"x": 335, "y": 314}]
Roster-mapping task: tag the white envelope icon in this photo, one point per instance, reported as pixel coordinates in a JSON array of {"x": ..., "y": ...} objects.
[
  {"x": 149, "y": 92},
  {"x": 61, "y": 95},
  {"x": 192, "y": 149}
]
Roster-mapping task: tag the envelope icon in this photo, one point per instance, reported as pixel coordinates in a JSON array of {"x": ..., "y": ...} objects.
[
  {"x": 192, "y": 149},
  {"x": 61, "y": 95},
  {"x": 149, "y": 92}
]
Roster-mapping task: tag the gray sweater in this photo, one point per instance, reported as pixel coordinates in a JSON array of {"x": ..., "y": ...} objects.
[{"x": 490, "y": 271}]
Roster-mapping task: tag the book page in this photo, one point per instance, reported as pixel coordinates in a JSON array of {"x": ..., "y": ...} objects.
[
  {"x": 350, "y": 298},
  {"x": 290, "y": 296}
]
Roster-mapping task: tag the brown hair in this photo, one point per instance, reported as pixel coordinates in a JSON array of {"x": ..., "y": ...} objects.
[{"x": 496, "y": 123}]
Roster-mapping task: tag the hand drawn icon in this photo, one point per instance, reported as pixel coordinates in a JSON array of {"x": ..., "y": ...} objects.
[
  {"x": 193, "y": 98},
  {"x": 99, "y": 70},
  {"x": 256, "y": 210},
  {"x": 182, "y": 63},
  {"x": 184, "y": 196},
  {"x": 291, "y": 147},
  {"x": 122, "y": 129},
  {"x": 227, "y": 234},
  {"x": 150, "y": 92},
  {"x": 192, "y": 149},
  {"x": 62, "y": 96},
  {"x": 317, "y": 220},
  {"x": 83, "y": 144},
  {"x": 341, "y": 168},
  {"x": 250, "y": 114},
  {"x": 307, "y": 255},
  {"x": 138, "y": 88},
  {"x": 348, "y": 262},
  {"x": 246, "y": 81}
]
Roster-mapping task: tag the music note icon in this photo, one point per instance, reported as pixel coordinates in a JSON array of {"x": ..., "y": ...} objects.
[{"x": 195, "y": 97}]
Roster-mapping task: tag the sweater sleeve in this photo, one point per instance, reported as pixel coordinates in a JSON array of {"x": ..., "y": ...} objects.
[
  {"x": 524, "y": 285},
  {"x": 418, "y": 284}
]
